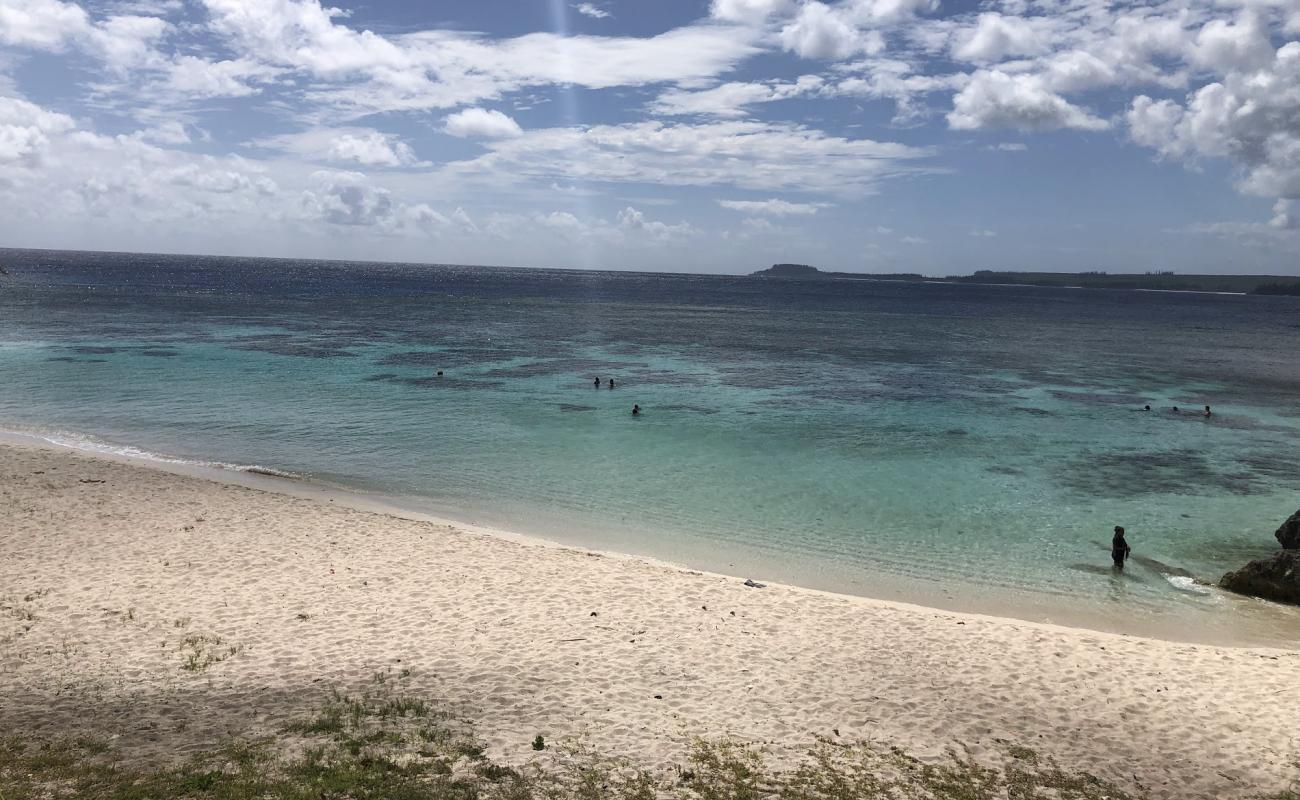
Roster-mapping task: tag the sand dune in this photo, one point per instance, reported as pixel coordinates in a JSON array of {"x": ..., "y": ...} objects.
[{"x": 115, "y": 576}]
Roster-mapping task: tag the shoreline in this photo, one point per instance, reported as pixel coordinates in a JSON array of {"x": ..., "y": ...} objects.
[
  {"x": 995, "y": 605},
  {"x": 109, "y": 559},
  {"x": 277, "y": 481}
]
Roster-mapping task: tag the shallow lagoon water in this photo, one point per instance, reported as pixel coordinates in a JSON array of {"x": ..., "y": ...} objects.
[{"x": 959, "y": 446}]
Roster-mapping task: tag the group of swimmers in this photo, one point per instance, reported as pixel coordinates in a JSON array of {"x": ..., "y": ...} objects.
[
  {"x": 1176, "y": 410},
  {"x": 636, "y": 409}
]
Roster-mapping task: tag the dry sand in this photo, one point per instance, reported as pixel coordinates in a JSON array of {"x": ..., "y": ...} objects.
[{"x": 105, "y": 567}]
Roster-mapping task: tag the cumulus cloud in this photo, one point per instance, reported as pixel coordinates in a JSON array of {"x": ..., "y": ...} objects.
[
  {"x": 345, "y": 198},
  {"x": 44, "y": 24},
  {"x": 774, "y": 207},
  {"x": 634, "y": 220},
  {"x": 481, "y": 122},
  {"x": 372, "y": 148},
  {"x": 748, "y": 11},
  {"x": 364, "y": 146},
  {"x": 51, "y": 168},
  {"x": 823, "y": 33},
  {"x": 1248, "y": 117},
  {"x": 1283, "y": 218},
  {"x": 996, "y": 36},
  {"x": 994, "y": 99},
  {"x": 25, "y": 129}
]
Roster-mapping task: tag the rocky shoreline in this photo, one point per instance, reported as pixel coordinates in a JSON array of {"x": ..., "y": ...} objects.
[{"x": 1276, "y": 577}]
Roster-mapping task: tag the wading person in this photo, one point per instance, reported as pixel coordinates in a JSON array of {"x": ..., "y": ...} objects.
[{"x": 1119, "y": 548}]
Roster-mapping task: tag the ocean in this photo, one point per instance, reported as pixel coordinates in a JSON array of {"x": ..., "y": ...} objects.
[{"x": 959, "y": 446}]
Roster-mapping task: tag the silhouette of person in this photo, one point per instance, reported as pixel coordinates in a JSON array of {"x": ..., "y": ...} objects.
[
  {"x": 1207, "y": 411},
  {"x": 597, "y": 383},
  {"x": 1119, "y": 548},
  {"x": 611, "y": 383},
  {"x": 636, "y": 410},
  {"x": 1146, "y": 408}
]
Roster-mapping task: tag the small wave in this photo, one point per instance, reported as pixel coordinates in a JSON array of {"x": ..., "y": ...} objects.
[
  {"x": 1187, "y": 584},
  {"x": 89, "y": 444}
]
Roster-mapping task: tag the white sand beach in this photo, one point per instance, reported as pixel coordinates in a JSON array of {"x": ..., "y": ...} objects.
[{"x": 106, "y": 567}]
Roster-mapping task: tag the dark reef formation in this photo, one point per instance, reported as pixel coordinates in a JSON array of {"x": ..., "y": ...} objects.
[{"x": 1276, "y": 577}]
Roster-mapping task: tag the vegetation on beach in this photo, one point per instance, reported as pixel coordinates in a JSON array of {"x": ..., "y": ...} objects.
[{"x": 379, "y": 744}]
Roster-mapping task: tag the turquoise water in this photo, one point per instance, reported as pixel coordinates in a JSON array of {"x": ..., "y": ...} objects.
[{"x": 960, "y": 446}]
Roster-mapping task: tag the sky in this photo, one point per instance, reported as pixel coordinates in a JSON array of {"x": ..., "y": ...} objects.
[{"x": 928, "y": 136}]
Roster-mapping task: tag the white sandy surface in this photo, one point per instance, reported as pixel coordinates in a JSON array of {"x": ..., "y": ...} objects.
[{"x": 106, "y": 567}]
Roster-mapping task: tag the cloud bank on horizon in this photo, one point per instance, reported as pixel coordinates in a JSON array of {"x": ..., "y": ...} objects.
[{"x": 862, "y": 135}]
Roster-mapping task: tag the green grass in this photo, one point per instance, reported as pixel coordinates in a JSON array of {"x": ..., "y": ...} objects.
[
  {"x": 200, "y": 651},
  {"x": 382, "y": 746}
]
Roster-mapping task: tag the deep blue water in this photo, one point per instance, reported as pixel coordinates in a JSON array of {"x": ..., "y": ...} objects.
[{"x": 955, "y": 445}]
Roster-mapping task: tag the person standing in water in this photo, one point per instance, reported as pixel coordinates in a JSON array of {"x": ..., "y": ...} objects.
[
  {"x": 1207, "y": 411},
  {"x": 636, "y": 410},
  {"x": 597, "y": 383},
  {"x": 1119, "y": 548}
]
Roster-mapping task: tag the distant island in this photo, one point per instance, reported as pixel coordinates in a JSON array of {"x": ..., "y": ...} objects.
[
  {"x": 808, "y": 272},
  {"x": 1151, "y": 281}
]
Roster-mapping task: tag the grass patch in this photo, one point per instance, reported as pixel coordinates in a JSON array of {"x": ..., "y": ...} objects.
[
  {"x": 200, "y": 651},
  {"x": 377, "y": 746}
]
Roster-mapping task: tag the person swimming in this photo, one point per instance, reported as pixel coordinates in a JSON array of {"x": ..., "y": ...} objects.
[
  {"x": 1119, "y": 549},
  {"x": 1146, "y": 408},
  {"x": 597, "y": 383},
  {"x": 636, "y": 410},
  {"x": 611, "y": 383},
  {"x": 1207, "y": 411},
  {"x": 1176, "y": 411}
]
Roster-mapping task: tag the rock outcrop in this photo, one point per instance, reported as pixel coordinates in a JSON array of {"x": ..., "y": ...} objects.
[
  {"x": 1274, "y": 578},
  {"x": 1289, "y": 534}
]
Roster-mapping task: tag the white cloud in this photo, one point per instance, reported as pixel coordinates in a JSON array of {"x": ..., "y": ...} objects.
[
  {"x": 823, "y": 33},
  {"x": 345, "y": 198},
  {"x": 633, "y": 220},
  {"x": 748, "y": 155},
  {"x": 44, "y": 24},
  {"x": 1247, "y": 117},
  {"x": 748, "y": 11},
  {"x": 1010, "y": 147},
  {"x": 193, "y": 77},
  {"x": 361, "y": 72},
  {"x": 591, "y": 10},
  {"x": 372, "y": 148},
  {"x": 1236, "y": 46},
  {"x": 774, "y": 207},
  {"x": 996, "y": 36},
  {"x": 488, "y": 123},
  {"x": 994, "y": 99},
  {"x": 51, "y": 169},
  {"x": 364, "y": 146},
  {"x": 1283, "y": 218},
  {"x": 25, "y": 129},
  {"x": 733, "y": 99},
  {"x": 914, "y": 240},
  {"x": 983, "y": 233}
]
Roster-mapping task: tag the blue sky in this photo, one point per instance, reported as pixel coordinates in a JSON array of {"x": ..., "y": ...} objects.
[{"x": 677, "y": 135}]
